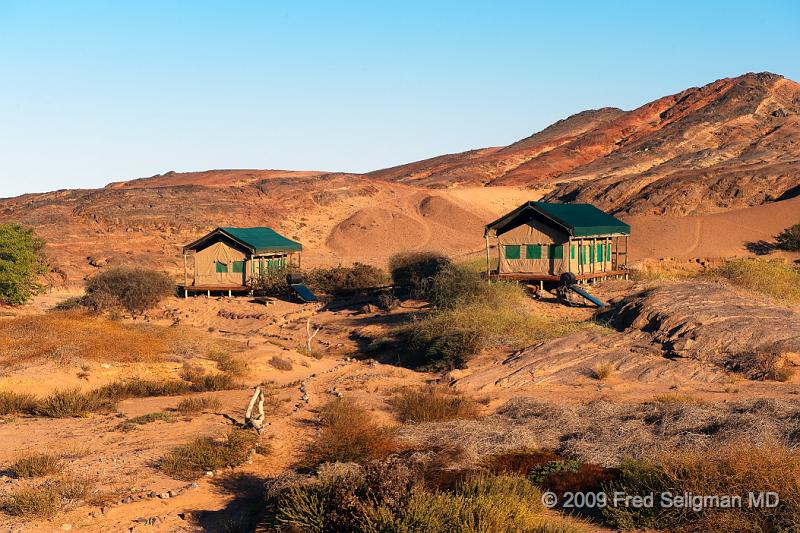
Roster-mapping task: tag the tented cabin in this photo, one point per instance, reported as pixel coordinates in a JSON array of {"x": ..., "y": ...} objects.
[
  {"x": 539, "y": 241},
  {"x": 227, "y": 258}
]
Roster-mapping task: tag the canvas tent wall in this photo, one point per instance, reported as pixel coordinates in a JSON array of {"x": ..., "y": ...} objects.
[
  {"x": 550, "y": 239},
  {"x": 229, "y": 257}
]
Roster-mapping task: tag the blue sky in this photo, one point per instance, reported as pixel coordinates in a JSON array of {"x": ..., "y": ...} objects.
[{"x": 93, "y": 92}]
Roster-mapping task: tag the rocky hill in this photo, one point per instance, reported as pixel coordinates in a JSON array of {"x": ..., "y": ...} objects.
[{"x": 732, "y": 143}]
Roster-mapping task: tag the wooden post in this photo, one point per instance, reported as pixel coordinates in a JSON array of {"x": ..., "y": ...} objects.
[
  {"x": 185, "y": 276},
  {"x": 488, "y": 262}
]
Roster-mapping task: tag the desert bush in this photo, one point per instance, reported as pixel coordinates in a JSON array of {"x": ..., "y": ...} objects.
[
  {"x": 342, "y": 280},
  {"x": 202, "y": 381},
  {"x": 387, "y": 300},
  {"x": 521, "y": 462},
  {"x": 134, "y": 289},
  {"x": 228, "y": 363},
  {"x": 15, "y": 403},
  {"x": 191, "y": 460},
  {"x": 789, "y": 239},
  {"x": 280, "y": 363},
  {"x": 270, "y": 283},
  {"x": 602, "y": 371},
  {"x": 71, "y": 487},
  {"x": 413, "y": 270},
  {"x": 773, "y": 278},
  {"x": 348, "y": 434},
  {"x": 32, "y": 502},
  {"x": 448, "y": 338},
  {"x": 453, "y": 285},
  {"x": 191, "y": 406},
  {"x": 433, "y": 404},
  {"x": 733, "y": 469},
  {"x": 36, "y": 465},
  {"x": 132, "y": 423},
  {"x": 70, "y": 403},
  {"x": 142, "y": 388},
  {"x": 21, "y": 262}
]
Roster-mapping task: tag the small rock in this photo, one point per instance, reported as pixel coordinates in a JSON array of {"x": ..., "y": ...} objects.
[
  {"x": 174, "y": 493},
  {"x": 164, "y": 495},
  {"x": 185, "y": 515},
  {"x": 210, "y": 473},
  {"x": 192, "y": 485},
  {"x": 104, "y": 510},
  {"x": 66, "y": 527}
]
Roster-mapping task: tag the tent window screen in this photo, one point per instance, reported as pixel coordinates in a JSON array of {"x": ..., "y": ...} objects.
[
  {"x": 512, "y": 251},
  {"x": 533, "y": 251},
  {"x": 238, "y": 267},
  {"x": 608, "y": 252},
  {"x": 572, "y": 252},
  {"x": 555, "y": 251},
  {"x": 221, "y": 267}
]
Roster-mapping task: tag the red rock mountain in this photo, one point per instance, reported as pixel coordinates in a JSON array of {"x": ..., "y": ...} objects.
[{"x": 732, "y": 143}]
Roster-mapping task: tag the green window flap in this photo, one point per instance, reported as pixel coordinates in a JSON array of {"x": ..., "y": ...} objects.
[
  {"x": 512, "y": 251},
  {"x": 533, "y": 251},
  {"x": 572, "y": 252},
  {"x": 221, "y": 267},
  {"x": 238, "y": 267},
  {"x": 555, "y": 251}
]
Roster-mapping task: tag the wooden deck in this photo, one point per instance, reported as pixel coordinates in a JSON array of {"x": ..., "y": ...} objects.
[
  {"x": 524, "y": 276},
  {"x": 208, "y": 289}
]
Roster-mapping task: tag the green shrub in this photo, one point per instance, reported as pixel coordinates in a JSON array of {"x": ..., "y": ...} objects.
[
  {"x": 280, "y": 363},
  {"x": 228, "y": 363},
  {"x": 15, "y": 403},
  {"x": 433, "y": 404},
  {"x": 343, "y": 280},
  {"x": 789, "y": 239},
  {"x": 270, "y": 283},
  {"x": 134, "y": 289},
  {"x": 540, "y": 473},
  {"x": 773, "y": 278},
  {"x": 448, "y": 338},
  {"x": 414, "y": 270},
  {"x": 21, "y": 262},
  {"x": 453, "y": 285},
  {"x": 202, "y": 381},
  {"x": 191, "y": 460},
  {"x": 348, "y": 434},
  {"x": 36, "y": 465}
]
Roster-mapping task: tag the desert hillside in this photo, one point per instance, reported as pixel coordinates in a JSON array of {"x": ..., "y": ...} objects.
[
  {"x": 731, "y": 143},
  {"x": 707, "y": 172}
]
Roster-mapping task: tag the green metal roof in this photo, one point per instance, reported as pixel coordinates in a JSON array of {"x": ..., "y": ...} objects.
[
  {"x": 579, "y": 220},
  {"x": 263, "y": 239}
]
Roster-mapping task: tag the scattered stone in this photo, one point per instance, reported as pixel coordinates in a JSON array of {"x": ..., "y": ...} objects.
[
  {"x": 66, "y": 527},
  {"x": 104, "y": 510},
  {"x": 164, "y": 495},
  {"x": 192, "y": 486},
  {"x": 186, "y": 515},
  {"x": 174, "y": 492}
]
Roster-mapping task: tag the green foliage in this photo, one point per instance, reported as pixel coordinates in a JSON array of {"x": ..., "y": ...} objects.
[
  {"x": 789, "y": 239},
  {"x": 21, "y": 262},
  {"x": 191, "y": 460},
  {"x": 492, "y": 316},
  {"x": 638, "y": 478},
  {"x": 414, "y": 270},
  {"x": 134, "y": 289},
  {"x": 132, "y": 423},
  {"x": 342, "y": 281},
  {"x": 540, "y": 473}
]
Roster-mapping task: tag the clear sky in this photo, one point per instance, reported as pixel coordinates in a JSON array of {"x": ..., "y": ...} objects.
[{"x": 98, "y": 91}]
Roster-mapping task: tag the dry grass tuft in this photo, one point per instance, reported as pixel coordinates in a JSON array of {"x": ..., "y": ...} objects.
[
  {"x": 32, "y": 502},
  {"x": 193, "y": 406},
  {"x": 71, "y": 403},
  {"x": 191, "y": 460},
  {"x": 202, "y": 381},
  {"x": 132, "y": 423},
  {"x": 228, "y": 363},
  {"x": 602, "y": 371},
  {"x": 761, "y": 365},
  {"x": 280, "y": 363},
  {"x": 37, "y": 465},
  {"x": 15, "y": 403},
  {"x": 348, "y": 434},
  {"x": 433, "y": 404},
  {"x": 143, "y": 388}
]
